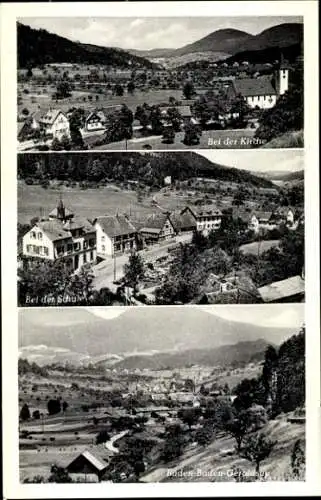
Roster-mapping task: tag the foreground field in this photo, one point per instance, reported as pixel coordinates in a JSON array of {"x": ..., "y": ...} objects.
[{"x": 34, "y": 201}]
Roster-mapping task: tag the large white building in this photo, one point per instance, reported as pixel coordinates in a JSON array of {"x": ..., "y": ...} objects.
[
  {"x": 62, "y": 236},
  {"x": 115, "y": 235},
  {"x": 207, "y": 217}
]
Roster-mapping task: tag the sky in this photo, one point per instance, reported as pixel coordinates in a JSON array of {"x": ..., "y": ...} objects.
[
  {"x": 276, "y": 315},
  {"x": 286, "y": 160},
  {"x": 149, "y": 33}
]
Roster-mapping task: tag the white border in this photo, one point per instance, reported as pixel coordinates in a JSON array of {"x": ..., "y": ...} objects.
[{"x": 9, "y": 13}]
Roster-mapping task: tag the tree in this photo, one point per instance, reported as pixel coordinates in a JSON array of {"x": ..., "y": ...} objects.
[
  {"x": 118, "y": 90},
  {"x": 256, "y": 449},
  {"x": 298, "y": 460},
  {"x": 25, "y": 412},
  {"x": 238, "y": 428},
  {"x": 156, "y": 120},
  {"x": 174, "y": 117},
  {"x": 59, "y": 475},
  {"x": 63, "y": 90},
  {"x": 102, "y": 437},
  {"x": 75, "y": 123},
  {"x": 134, "y": 272},
  {"x": 131, "y": 87},
  {"x": 192, "y": 134},
  {"x": 168, "y": 135},
  {"x": 189, "y": 416},
  {"x": 173, "y": 445},
  {"x": 36, "y": 414},
  {"x": 53, "y": 406},
  {"x": 204, "y": 435},
  {"x": 188, "y": 90}
]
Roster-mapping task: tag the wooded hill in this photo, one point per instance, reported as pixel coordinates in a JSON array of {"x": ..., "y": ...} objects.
[
  {"x": 38, "y": 47},
  {"x": 147, "y": 168}
]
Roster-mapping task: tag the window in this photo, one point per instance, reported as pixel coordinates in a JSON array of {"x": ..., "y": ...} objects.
[
  {"x": 76, "y": 246},
  {"x": 69, "y": 248},
  {"x": 29, "y": 247},
  {"x": 39, "y": 236},
  {"x": 46, "y": 250},
  {"x": 85, "y": 258},
  {"x": 33, "y": 234},
  {"x": 103, "y": 238},
  {"x": 85, "y": 244},
  {"x": 36, "y": 250},
  {"x": 102, "y": 248}
]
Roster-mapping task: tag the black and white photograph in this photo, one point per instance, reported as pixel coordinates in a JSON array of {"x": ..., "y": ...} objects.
[
  {"x": 164, "y": 228},
  {"x": 160, "y": 83},
  {"x": 205, "y": 395}
]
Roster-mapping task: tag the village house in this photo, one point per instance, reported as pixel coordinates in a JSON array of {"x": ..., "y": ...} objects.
[
  {"x": 184, "y": 111},
  {"x": 155, "y": 228},
  {"x": 207, "y": 217},
  {"x": 95, "y": 120},
  {"x": 53, "y": 123},
  {"x": 183, "y": 222},
  {"x": 86, "y": 464},
  {"x": 115, "y": 235},
  {"x": 62, "y": 236}
]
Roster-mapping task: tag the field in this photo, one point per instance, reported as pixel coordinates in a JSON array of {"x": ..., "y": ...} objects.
[
  {"x": 34, "y": 200},
  {"x": 41, "y": 96},
  {"x": 259, "y": 246}
]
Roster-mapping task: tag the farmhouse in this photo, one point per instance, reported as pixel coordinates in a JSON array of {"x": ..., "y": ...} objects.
[
  {"x": 62, "y": 236},
  {"x": 261, "y": 220},
  {"x": 115, "y": 234},
  {"x": 184, "y": 112},
  {"x": 207, "y": 217},
  {"x": 54, "y": 123},
  {"x": 183, "y": 222},
  {"x": 86, "y": 463},
  {"x": 155, "y": 228},
  {"x": 95, "y": 120}
]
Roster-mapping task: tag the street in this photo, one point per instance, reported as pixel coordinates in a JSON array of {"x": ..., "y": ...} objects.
[{"x": 111, "y": 269}]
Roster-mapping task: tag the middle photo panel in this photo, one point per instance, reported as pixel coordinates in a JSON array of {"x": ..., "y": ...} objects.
[{"x": 164, "y": 228}]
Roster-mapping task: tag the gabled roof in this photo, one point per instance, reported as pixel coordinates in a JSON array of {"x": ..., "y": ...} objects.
[
  {"x": 115, "y": 225},
  {"x": 154, "y": 222},
  {"x": 96, "y": 462},
  {"x": 182, "y": 220},
  {"x": 282, "y": 289},
  {"x": 50, "y": 116},
  {"x": 54, "y": 229},
  {"x": 249, "y": 87},
  {"x": 261, "y": 215},
  {"x": 205, "y": 211}
]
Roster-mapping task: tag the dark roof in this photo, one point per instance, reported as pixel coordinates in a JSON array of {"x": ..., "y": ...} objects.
[
  {"x": 96, "y": 462},
  {"x": 248, "y": 87},
  {"x": 79, "y": 223},
  {"x": 182, "y": 220},
  {"x": 282, "y": 289},
  {"x": 54, "y": 212},
  {"x": 183, "y": 110},
  {"x": 205, "y": 210},
  {"x": 115, "y": 225},
  {"x": 154, "y": 222}
]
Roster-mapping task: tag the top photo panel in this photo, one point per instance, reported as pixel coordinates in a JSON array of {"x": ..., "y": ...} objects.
[{"x": 159, "y": 83}]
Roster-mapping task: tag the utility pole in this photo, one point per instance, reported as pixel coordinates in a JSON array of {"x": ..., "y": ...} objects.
[{"x": 114, "y": 256}]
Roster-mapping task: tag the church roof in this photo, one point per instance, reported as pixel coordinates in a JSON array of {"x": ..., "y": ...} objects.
[{"x": 249, "y": 87}]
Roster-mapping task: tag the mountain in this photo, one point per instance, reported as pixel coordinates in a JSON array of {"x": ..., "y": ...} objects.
[
  {"x": 236, "y": 354},
  {"x": 282, "y": 35},
  {"x": 280, "y": 175},
  {"x": 134, "y": 331},
  {"x": 222, "y": 41},
  {"x": 151, "y": 53},
  {"x": 38, "y": 47}
]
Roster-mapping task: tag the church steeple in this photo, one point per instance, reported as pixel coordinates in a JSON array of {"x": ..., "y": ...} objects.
[{"x": 61, "y": 212}]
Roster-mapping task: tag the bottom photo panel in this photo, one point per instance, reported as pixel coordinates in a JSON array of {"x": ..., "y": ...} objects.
[{"x": 162, "y": 394}]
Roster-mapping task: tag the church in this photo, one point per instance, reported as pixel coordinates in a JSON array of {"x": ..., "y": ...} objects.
[{"x": 261, "y": 92}]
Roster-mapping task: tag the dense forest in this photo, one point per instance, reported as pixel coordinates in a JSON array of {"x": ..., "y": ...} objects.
[
  {"x": 38, "y": 47},
  {"x": 147, "y": 168}
]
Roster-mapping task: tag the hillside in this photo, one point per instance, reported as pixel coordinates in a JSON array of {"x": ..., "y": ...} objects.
[
  {"x": 282, "y": 35},
  {"x": 224, "y": 40},
  {"x": 150, "y": 168},
  {"x": 284, "y": 176},
  {"x": 38, "y": 47},
  {"x": 236, "y": 355}
]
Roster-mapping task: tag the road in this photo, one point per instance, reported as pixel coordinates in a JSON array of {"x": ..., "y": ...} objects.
[
  {"x": 110, "y": 444},
  {"x": 110, "y": 270}
]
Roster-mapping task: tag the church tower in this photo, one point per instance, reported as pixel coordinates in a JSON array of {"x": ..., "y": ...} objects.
[
  {"x": 282, "y": 77},
  {"x": 61, "y": 212}
]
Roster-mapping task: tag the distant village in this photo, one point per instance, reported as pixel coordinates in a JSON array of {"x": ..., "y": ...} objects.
[{"x": 219, "y": 97}]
